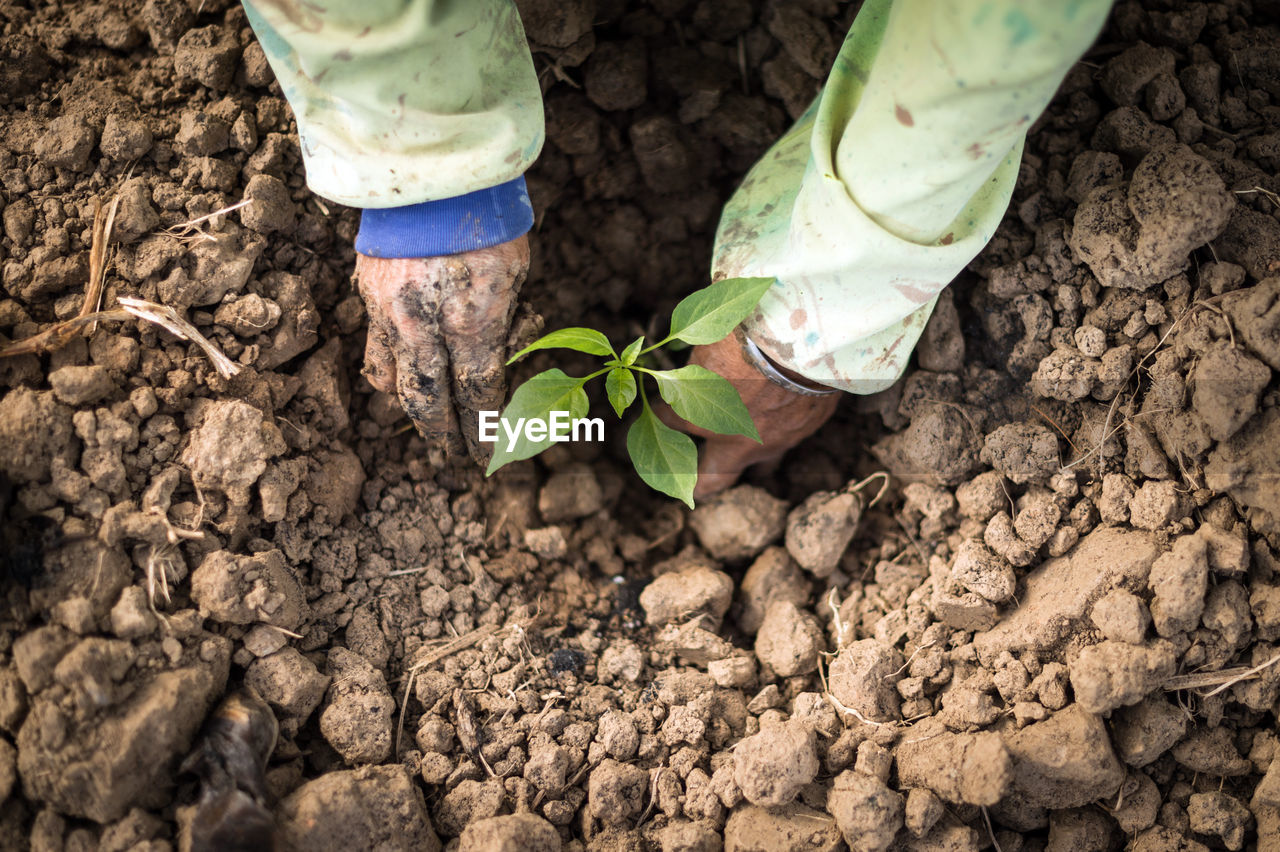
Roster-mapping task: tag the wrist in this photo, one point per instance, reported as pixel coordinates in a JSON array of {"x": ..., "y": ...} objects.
[
  {"x": 778, "y": 374},
  {"x": 476, "y": 220}
]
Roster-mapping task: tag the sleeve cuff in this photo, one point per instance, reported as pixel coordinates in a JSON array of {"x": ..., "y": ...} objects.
[{"x": 468, "y": 222}]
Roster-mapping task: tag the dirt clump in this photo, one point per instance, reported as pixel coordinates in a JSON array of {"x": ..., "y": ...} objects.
[
  {"x": 367, "y": 808},
  {"x": 739, "y": 523},
  {"x": 1056, "y": 627},
  {"x": 771, "y": 767}
]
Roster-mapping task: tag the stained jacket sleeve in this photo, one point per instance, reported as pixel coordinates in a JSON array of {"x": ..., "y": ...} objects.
[
  {"x": 895, "y": 178},
  {"x": 427, "y": 110}
]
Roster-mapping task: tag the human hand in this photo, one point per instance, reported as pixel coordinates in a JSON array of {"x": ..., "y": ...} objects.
[
  {"x": 438, "y": 334},
  {"x": 783, "y": 418}
]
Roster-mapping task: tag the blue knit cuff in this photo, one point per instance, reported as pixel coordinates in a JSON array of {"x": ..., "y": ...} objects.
[{"x": 468, "y": 222}]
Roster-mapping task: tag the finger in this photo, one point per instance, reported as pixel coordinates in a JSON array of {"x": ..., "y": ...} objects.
[
  {"x": 479, "y": 303},
  {"x": 380, "y": 339},
  {"x": 422, "y": 369},
  {"x": 379, "y": 362},
  {"x": 479, "y": 384}
]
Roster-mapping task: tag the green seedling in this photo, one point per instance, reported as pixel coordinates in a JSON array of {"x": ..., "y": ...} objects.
[{"x": 664, "y": 458}]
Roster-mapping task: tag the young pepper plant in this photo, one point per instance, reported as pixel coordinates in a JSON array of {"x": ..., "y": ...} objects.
[{"x": 664, "y": 458}]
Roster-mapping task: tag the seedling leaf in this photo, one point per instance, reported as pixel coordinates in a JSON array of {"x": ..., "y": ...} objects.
[
  {"x": 546, "y": 392},
  {"x": 632, "y": 351},
  {"x": 705, "y": 399},
  {"x": 620, "y": 385},
  {"x": 665, "y": 459},
  {"x": 580, "y": 339},
  {"x": 707, "y": 315}
]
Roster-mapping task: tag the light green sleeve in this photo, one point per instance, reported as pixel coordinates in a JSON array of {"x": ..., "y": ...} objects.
[
  {"x": 404, "y": 101},
  {"x": 896, "y": 177}
]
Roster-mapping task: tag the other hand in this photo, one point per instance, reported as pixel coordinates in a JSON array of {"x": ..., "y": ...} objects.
[
  {"x": 783, "y": 417},
  {"x": 438, "y": 330}
]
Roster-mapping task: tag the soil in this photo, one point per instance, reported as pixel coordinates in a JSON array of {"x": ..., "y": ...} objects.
[{"x": 1054, "y": 630}]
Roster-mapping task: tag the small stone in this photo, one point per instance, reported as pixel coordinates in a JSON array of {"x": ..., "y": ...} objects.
[
  {"x": 135, "y": 216},
  {"x": 1037, "y": 518},
  {"x": 863, "y": 677},
  {"x": 973, "y": 769},
  {"x": 66, "y": 143},
  {"x": 686, "y": 836},
  {"x": 1226, "y": 384},
  {"x": 1156, "y": 505},
  {"x": 1116, "y": 674},
  {"x": 271, "y": 206},
  {"x": 1065, "y": 761},
  {"x": 1117, "y": 494},
  {"x": 616, "y": 792},
  {"x": 1079, "y": 830},
  {"x": 873, "y": 759},
  {"x": 1023, "y": 452},
  {"x": 1147, "y": 730},
  {"x": 357, "y": 721},
  {"x": 75, "y": 614},
  {"x": 546, "y": 543},
  {"x": 789, "y": 640},
  {"x": 982, "y": 572},
  {"x": 774, "y": 576},
  {"x": 622, "y": 661},
  {"x": 1091, "y": 341},
  {"x": 1179, "y": 579},
  {"x": 820, "y": 528},
  {"x": 290, "y": 683},
  {"x": 208, "y": 55},
  {"x": 570, "y": 493},
  {"x": 684, "y": 595},
  {"x": 737, "y": 672},
  {"x": 514, "y": 833},
  {"x": 739, "y": 523},
  {"x": 1212, "y": 751},
  {"x": 547, "y": 768},
  {"x": 246, "y": 589},
  {"x": 262, "y": 640},
  {"x": 618, "y": 734},
  {"x": 144, "y": 402},
  {"x": 1140, "y": 802},
  {"x": 81, "y": 385},
  {"x": 1001, "y": 537},
  {"x": 468, "y": 802},
  {"x": 374, "y": 807},
  {"x": 1221, "y": 815},
  {"x": 1121, "y": 616},
  {"x": 770, "y": 767},
  {"x": 922, "y": 812},
  {"x": 124, "y": 138},
  {"x": 131, "y": 617},
  {"x": 792, "y": 828},
  {"x": 868, "y": 813},
  {"x": 202, "y": 135},
  {"x": 248, "y": 316},
  {"x": 982, "y": 496}
]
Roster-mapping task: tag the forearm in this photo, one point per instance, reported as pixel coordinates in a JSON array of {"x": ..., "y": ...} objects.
[
  {"x": 896, "y": 178},
  {"x": 400, "y": 102}
]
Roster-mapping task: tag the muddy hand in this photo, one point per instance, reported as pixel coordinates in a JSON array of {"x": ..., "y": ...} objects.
[
  {"x": 782, "y": 417},
  {"x": 438, "y": 336}
]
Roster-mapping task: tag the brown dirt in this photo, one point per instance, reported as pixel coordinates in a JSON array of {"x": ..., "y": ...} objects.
[{"x": 1036, "y": 638}]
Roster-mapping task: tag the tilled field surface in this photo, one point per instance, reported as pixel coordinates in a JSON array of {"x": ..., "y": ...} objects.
[{"x": 1054, "y": 629}]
